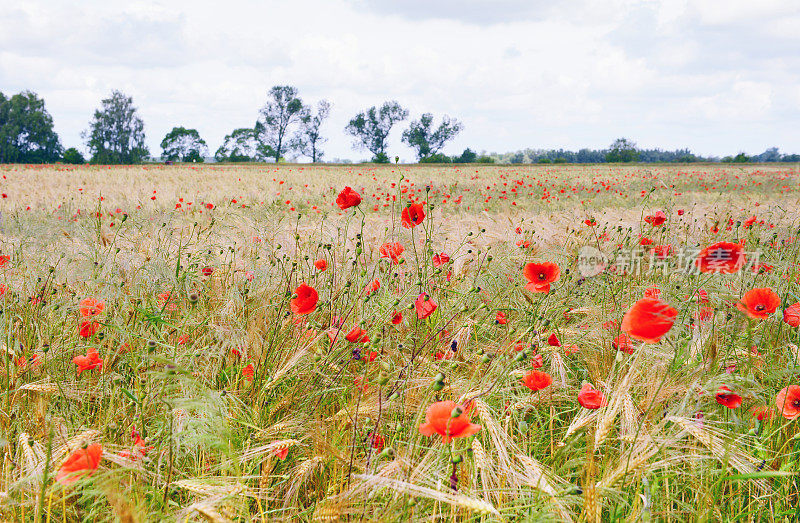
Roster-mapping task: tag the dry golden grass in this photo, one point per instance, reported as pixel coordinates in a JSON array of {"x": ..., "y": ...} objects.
[{"x": 294, "y": 441}]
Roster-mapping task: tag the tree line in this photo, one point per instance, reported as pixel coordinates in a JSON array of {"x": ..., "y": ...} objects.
[
  {"x": 624, "y": 150},
  {"x": 284, "y": 126}
]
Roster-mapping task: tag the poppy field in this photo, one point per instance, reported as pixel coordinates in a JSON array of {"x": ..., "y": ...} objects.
[{"x": 400, "y": 343}]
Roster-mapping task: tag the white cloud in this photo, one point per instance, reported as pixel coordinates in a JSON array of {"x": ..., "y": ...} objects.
[{"x": 519, "y": 74}]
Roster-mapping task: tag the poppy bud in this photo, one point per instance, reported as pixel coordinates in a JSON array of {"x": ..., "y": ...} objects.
[
  {"x": 456, "y": 412},
  {"x": 394, "y": 396},
  {"x": 437, "y": 386},
  {"x": 485, "y": 358},
  {"x": 387, "y": 453},
  {"x": 456, "y": 459},
  {"x": 151, "y": 345},
  {"x": 193, "y": 297},
  {"x": 520, "y": 356},
  {"x": 383, "y": 379},
  {"x": 523, "y": 426}
]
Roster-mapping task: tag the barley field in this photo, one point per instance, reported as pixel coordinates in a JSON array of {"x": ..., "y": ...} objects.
[{"x": 400, "y": 343}]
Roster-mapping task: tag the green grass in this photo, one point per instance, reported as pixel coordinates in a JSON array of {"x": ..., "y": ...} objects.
[{"x": 538, "y": 456}]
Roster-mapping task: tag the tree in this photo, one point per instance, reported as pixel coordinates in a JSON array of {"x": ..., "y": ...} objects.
[
  {"x": 308, "y": 139},
  {"x": 183, "y": 145},
  {"x": 242, "y": 146},
  {"x": 622, "y": 150},
  {"x": 282, "y": 110},
  {"x": 436, "y": 158},
  {"x": 770, "y": 155},
  {"x": 73, "y": 156},
  {"x": 468, "y": 156},
  {"x": 425, "y": 140},
  {"x": 26, "y": 130},
  {"x": 116, "y": 134},
  {"x": 371, "y": 128}
]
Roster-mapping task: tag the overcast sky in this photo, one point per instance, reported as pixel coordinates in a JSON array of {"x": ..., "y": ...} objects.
[{"x": 717, "y": 76}]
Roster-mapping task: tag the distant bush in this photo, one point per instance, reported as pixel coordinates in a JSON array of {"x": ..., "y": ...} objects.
[
  {"x": 468, "y": 156},
  {"x": 73, "y": 156},
  {"x": 544, "y": 160},
  {"x": 484, "y": 159},
  {"x": 436, "y": 158}
]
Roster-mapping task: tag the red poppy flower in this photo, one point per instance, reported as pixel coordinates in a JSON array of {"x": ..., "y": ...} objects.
[
  {"x": 378, "y": 442},
  {"x": 87, "y": 329},
  {"x": 540, "y": 276},
  {"x": 248, "y": 372},
  {"x": 281, "y": 451},
  {"x": 703, "y": 314},
  {"x": 3, "y": 289},
  {"x": 652, "y": 292},
  {"x": 761, "y": 412},
  {"x": 412, "y": 215},
  {"x": 648, "y": 320},
  {"x": 207, "y": 271},
  {"x": 623, "y": 343},
  {"x": 788, "y": 402},
  {"x": 727, "y": 398},
  {"x": 82, "y": 462},
  {"x": 662, "y": 251},
  {"x": 306, "y": 300},
  {"x": 702, "y": 296},
  {"x": 501, "y": 318},
  {"x": 397, "y": 318},
  {"x": 553, "y": 340},
  {"x": 440, "y": 259},
  {"x": 89, "y": 362},
  {"x": 373, "y": 287},
  {"x": 321, "y": 264},
  {"x": 357, "y": 335},
  {"x": 791, "y": 314},
  {"x": 348, "y": 198},
  {"x": 591, "y": 398},
  {"x": 591, "y": 222},
  {"x": 4, "y": 258},
  {"x": 537, "y": 380},
  {"x": 425, "y": 306},
  {"x": 392, "y": 250},
  {"x": 759, "y": 303},
  {"x": 656, "y": 219},
  {"x": 89, "y": 307},
  {"x": 722, "y": 257},
  {"x": 440, "y": 419}
]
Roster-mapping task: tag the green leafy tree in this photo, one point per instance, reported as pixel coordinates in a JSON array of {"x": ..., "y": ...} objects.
[
  {"x": 427, "y": 141},
  {"x": 741, "y": 158},
  {"x": 436, "y": 158},
  {"x": 73, "y": 156},
  {"x": 242, "y": 145},
  {"x": 622, "y": 151},
  {"x": 308, "y": 138},
  {"x": 26, "y": 130},
  {"x": 183, "y": 145},
  {"x": 371, "y": 128},
  {"x": 282, "y": 110},
  {"x": 468, "y": 156},
  {"x": 116, "y": 133}
]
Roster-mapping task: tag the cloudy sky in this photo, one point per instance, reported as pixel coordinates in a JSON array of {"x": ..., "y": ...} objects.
[{"x": 717, "y": 76}]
